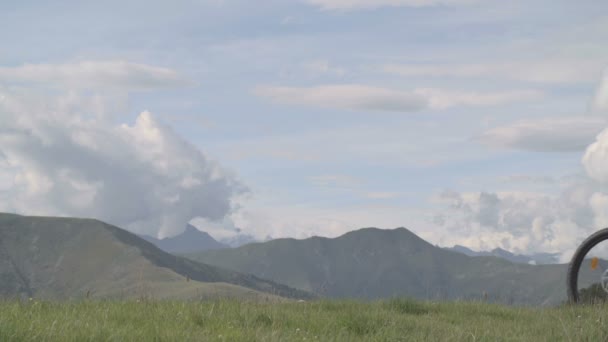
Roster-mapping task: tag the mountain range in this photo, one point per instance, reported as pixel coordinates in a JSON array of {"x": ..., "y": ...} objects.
[
  {"x": 61, "y": 258},
  {"x": 373, "y": 263},
  {"x": 193, "y": 240}
]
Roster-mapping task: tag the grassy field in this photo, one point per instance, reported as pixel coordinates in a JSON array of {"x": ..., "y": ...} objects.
[{"x": 393, "y": 320}]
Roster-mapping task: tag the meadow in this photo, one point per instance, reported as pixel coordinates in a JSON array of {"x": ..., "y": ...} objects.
[{"x": 232, "y": 320}]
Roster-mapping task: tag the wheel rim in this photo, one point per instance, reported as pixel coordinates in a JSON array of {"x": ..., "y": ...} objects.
[{"x": 587, "y": 278}]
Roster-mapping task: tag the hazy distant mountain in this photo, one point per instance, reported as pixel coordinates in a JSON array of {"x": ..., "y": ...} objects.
[
  {"x": 59, "y": 258},
  {"x": 538, "y": 258},
  {"x": 375, "y": 263},
  {"x": 191, "y": 240}
]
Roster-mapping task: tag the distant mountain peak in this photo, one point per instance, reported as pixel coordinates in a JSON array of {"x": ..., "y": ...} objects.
[
  {"x": 189, "y": 241},
  {"x": 386, "y": 231},
  {"x": 462, "y": 249},
  {"x": 191, "y": 229},
  {"x": 400, "y": 235}
]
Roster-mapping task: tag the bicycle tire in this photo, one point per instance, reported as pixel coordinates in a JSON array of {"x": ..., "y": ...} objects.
[{"x": 577, "y": 261}]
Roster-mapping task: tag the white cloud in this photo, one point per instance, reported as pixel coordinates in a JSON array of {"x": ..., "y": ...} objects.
[
  {"x": 95, "y": 74},
  {"x": 549, "y": 134},
  {"x": 359, "y": 97},
  {"x": 546, "y": 70},
  {"x": 346, "y": 97},
  {"x": 372, "y": 4},
  {"x": 142, "y": 176},
  {"x": 444, "y": 99}
]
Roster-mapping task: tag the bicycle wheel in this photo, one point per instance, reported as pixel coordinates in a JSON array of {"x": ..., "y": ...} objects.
[{"x": 587, "y": 279}]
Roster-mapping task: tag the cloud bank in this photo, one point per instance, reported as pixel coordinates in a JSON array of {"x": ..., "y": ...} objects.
[
  {"x": 523, "y": 222},
  {"x": 550, "y": 71},
  {"x": 356, "y": 97},
  {"x": 535, "y": 222},
  {"x": 565, "y": 134},
  {"x": 546, "y": 135},
  {"x": 95, "y": 74},
  {"x": 360, "y": 97}
]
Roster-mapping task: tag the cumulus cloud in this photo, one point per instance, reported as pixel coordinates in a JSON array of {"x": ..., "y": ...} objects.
[
  {"x": 359, "y": 97},
  {"x": 372, "y": 4},
  {"x": 142, "y": 176},
  {"x": 95, "y": 74},
  {"x": 522, "y": 222},
  {"x": 544, "y": 71},
  {"x": 546, "y": 135}
]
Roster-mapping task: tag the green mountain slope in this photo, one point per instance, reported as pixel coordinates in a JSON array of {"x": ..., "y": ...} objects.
[
  {"x": 373, "y": 263},
  {"x": 63, "y": 258}
]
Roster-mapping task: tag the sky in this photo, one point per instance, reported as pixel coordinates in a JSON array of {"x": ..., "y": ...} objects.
[{"x": 471, "y": 122}]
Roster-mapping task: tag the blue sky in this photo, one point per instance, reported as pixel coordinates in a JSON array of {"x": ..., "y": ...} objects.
[{"x": 467, "y": 121}]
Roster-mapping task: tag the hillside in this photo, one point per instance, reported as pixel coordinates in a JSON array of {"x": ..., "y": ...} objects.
[
  {"x": 60, "y": 258},
  {"x": 189, "y": 241},
  {"x": 373, "y": 263}
]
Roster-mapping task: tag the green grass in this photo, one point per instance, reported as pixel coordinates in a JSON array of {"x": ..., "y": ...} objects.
[{"x": 228, "y": 320}]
